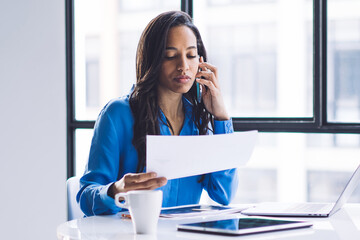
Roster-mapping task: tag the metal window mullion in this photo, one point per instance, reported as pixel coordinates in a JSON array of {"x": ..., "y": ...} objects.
[
  {"x": 70, "y": 152},
  {"x": 317, "y": 100},
  {"x": 323, "y": 62},
  {"x": 82, "y": 124},
  {"x": 70, "y": 95},
  {"x": 299, "y": 127},
  {"x": 187, "y": 6},
  {"x": 320, "y": 63}
]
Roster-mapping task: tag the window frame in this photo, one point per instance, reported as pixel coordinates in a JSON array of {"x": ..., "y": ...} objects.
[{"x": 316, "y": 124}]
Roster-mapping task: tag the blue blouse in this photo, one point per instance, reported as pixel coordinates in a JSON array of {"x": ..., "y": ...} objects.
[{"x": 112, "y": 155}]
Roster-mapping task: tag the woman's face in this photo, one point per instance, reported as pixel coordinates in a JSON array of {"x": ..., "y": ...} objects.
[{"x": 181, "y": 61}]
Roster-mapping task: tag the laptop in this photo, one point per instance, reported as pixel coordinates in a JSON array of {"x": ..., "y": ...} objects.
[{"x": 306, "y": 209}]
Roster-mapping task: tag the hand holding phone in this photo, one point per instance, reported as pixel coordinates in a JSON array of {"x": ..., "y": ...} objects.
[{"x": 208, "y": 91}]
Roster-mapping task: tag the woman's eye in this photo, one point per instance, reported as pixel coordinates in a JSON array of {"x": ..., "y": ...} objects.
[{"x": 175, "y": 56}]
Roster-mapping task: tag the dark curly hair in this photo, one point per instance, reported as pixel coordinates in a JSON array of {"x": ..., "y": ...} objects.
[{"x": 144, "y": 99}]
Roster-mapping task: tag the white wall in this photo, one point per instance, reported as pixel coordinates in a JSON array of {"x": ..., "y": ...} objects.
[{"x": 32, "y": 118}]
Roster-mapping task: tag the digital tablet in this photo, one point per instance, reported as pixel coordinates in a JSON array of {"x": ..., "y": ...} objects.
[
  {"x": 197, "y": 210},
  {"x": 243, "y": 226}
]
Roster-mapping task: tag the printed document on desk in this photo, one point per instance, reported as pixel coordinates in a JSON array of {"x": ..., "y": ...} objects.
[{"x": 183, "y": 156}]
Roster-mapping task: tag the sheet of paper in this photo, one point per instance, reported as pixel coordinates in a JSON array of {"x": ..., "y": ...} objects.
[{"x": 183, "y": 156}]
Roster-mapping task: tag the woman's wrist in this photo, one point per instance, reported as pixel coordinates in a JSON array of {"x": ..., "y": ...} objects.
[
  {"x": 111, "y": 191},
  {"x": 223, "y": 117}
]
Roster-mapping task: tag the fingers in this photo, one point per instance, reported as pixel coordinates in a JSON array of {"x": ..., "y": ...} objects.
[
  {"x": 139, "y": 177},
  {"x": 209, "y": 84},
  {"x": 206, "y": 74},
  {"x": 208, "y": 66},
  {"x": 207, "y": 78},
  {"x": 209, "y": 73},
  {"x": 149, "y": 184},
  {"x": 201, "y": 60},
  {"x": 143, "y": 181}
]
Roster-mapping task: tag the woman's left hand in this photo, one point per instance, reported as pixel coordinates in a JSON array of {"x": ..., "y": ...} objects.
[{"x": 211, "y": 94}]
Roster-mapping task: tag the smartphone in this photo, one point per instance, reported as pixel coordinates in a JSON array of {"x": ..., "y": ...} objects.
[
  {"x": 198, "y": 89},
  {"x": 198, "y": 92}
]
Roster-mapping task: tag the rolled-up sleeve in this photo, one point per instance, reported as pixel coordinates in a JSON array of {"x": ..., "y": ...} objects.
[{"x": 222, "y": 127}]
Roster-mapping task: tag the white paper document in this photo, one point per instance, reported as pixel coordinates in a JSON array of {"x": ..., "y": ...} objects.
[{"x": 183, "y": 156}]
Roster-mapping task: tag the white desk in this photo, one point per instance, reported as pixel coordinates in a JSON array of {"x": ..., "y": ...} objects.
[{"x": 344, "y": 225}]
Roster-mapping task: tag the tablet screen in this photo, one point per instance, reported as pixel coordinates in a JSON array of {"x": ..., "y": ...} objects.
[
  {"x": 193, "y": 208},
  {"x": 239, "y": 226}
]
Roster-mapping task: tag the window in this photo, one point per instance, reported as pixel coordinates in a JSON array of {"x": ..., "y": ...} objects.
[
  {"x": 287, "y": 68},
  {"x": 247, "y": 66},
  {"x": 102, "y": 38},
  {"x": 344, "y": 55}
]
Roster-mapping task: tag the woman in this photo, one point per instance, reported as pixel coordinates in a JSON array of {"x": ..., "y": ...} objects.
[{"x": 163, "y": 102}]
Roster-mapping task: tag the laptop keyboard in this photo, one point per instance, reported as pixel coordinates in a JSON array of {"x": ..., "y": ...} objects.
[{"x": 306, "y": 207}]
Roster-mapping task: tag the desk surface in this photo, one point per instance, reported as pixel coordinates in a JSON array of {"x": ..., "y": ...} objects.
[{"x": 344, "y": 225}]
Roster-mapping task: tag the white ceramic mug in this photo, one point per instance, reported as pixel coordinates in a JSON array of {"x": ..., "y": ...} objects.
[{"x": 144, "y": 207}]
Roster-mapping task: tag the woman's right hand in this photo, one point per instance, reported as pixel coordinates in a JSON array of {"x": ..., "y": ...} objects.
[{"x": 136, "y": 181}]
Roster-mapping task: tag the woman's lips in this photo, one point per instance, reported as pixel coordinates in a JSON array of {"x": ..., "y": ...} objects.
[{"x": 182, "y": 79}]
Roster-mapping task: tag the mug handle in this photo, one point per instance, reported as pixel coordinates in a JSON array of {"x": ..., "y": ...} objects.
[{"x": 118, "y": 203}]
